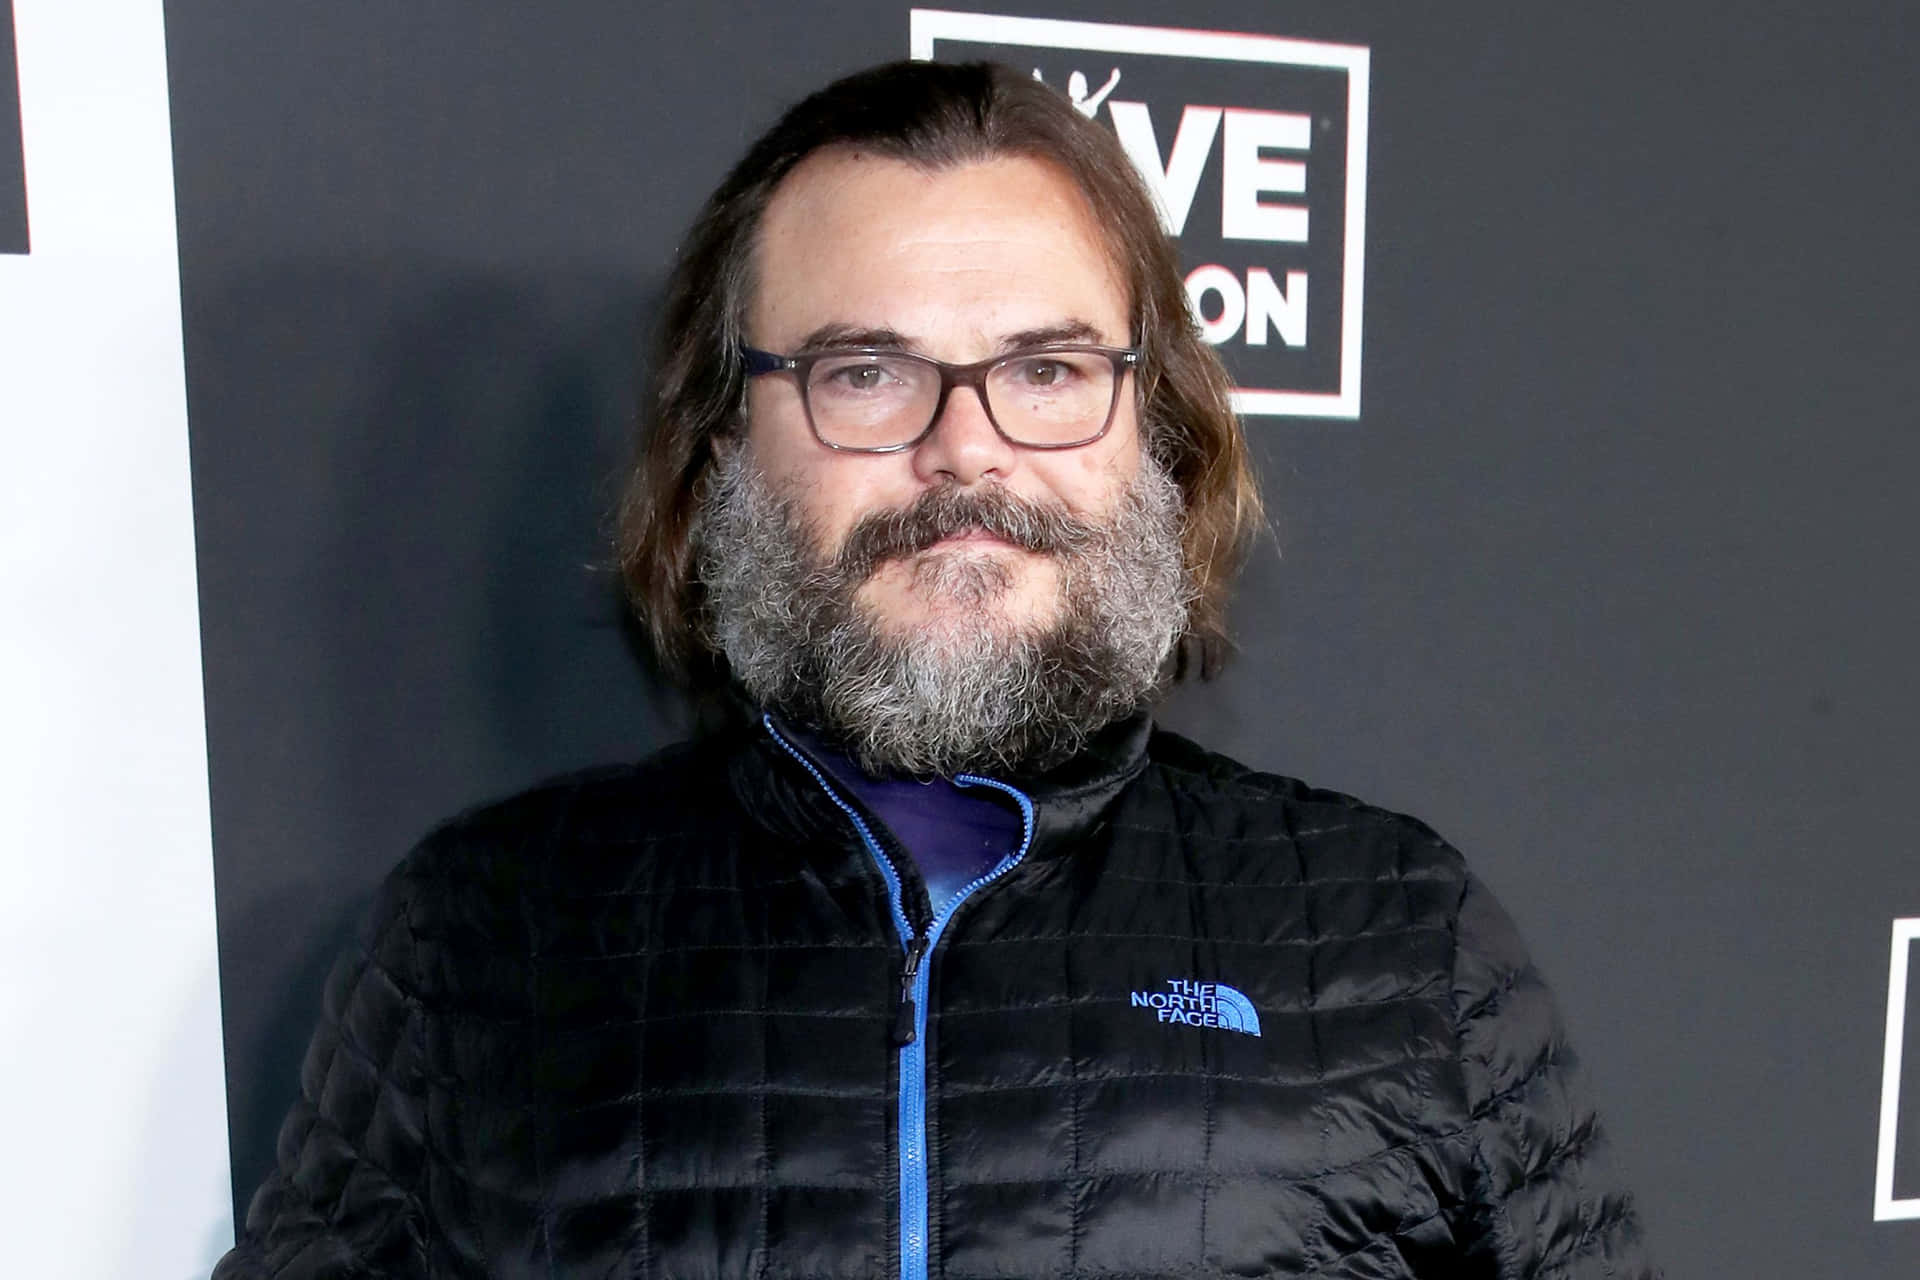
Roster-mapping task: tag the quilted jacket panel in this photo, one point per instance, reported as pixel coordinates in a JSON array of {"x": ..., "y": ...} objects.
[{"x": 639, "y": 1023}]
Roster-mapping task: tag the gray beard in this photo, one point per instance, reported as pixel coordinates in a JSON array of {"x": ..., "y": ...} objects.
[{"x": 972, "y": 693}]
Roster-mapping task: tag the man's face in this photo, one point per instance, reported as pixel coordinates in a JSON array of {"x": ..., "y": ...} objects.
[
  {"x": 966, "y": 603},
  {"x": 961, "y": 265}
]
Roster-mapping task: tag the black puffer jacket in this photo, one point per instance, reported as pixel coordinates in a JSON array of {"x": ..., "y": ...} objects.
[{"x": 648, "y": 1023}]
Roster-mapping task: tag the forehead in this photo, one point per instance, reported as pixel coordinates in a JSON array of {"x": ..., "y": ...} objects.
[{"x": 956, "y": 257}]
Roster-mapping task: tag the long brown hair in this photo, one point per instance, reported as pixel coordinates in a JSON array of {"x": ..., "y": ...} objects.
[{"x": 933, "y": 116}]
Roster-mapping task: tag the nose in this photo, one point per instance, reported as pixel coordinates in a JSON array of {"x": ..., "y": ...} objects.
[{"x": 963, "y": 447}]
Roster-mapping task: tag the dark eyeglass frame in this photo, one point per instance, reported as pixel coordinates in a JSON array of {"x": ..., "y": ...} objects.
[{"x": 757, "y": 362}]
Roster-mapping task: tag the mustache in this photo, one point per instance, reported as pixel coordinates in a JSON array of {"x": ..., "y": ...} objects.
[{"x": 945, "y": 512}]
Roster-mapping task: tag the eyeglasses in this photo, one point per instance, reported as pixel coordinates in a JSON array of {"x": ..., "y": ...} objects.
[{"x": 878, "y": 400}]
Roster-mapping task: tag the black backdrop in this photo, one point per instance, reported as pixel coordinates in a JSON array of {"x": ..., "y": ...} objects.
[
  {"x": 1610, "y": 580},
  {"x": 14, "y": 236}
]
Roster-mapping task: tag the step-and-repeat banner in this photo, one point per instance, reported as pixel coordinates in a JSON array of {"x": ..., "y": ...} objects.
[{"x": 1576, "y": 347}]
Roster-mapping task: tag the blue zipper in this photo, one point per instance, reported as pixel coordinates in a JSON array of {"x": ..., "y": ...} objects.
[{"x": 915, "y": 983}]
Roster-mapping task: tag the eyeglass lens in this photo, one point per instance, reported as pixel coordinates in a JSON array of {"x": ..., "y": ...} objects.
[{"x": 870, "y": 401}]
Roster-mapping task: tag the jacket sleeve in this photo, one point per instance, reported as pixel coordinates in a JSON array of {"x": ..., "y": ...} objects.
[
  {"x": 345, "y": 1199},
  {"x": 1544, "y": 1201}
]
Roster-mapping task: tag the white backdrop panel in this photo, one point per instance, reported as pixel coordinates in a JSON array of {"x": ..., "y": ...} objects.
[{"x": 111, "y": 1090}]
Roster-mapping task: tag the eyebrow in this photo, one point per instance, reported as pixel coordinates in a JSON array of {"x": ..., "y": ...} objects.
[
  {"x": 1072, "y": 330},
  {"x": 829, "y": 336}
]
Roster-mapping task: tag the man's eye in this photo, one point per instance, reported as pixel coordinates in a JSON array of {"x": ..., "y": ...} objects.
[
  {"x": 1043, "y": 373},
  {"x": 859, "y": 377}
]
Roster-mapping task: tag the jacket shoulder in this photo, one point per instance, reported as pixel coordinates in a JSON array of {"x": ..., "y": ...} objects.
[
  {"x": 575, "y": 830},
  {"x": 1327, "y": 834}
]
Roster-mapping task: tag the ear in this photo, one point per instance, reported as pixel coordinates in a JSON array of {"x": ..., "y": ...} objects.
[
  {"x": 728, "y": 440},
  {"x": 735, "y": 427}
]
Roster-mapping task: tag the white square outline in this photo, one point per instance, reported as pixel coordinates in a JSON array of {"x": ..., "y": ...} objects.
[
  {"x": 1885, "y": 1208},
  {"x": 928, "y": 25}
]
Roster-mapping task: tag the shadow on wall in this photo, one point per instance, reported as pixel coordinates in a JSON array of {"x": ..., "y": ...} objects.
[
  {"x": 404, "y": 475},
  {"x": 264, "y": 1053}
]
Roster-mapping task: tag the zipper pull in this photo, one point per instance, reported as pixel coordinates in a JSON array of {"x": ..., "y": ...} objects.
[{"x": 904, "y": 1012}]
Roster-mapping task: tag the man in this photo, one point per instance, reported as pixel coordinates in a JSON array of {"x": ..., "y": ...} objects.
[{"x": 940, "y": 960}]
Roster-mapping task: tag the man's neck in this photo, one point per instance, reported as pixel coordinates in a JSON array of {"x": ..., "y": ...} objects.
[{"x": 953, "y": 833}]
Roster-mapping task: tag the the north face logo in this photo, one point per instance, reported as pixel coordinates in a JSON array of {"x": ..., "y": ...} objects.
[{"x": 1201, "y": 1004}]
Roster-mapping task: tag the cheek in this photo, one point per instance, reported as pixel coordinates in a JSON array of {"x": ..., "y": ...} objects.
[
  {"x": 814, "y": 500},
  {"x": 793, "y": 464},
  {"x": 1091, "y": 480},
  {"x": 833, "y": 491}
]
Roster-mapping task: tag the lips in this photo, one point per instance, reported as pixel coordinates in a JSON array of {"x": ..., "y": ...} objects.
[{"x": 971, "y": 538}]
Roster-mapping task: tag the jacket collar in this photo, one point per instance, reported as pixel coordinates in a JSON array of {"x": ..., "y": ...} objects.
[
  {"x": 1070, "y": 797},
  {"x": 777, "y": 790}
]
